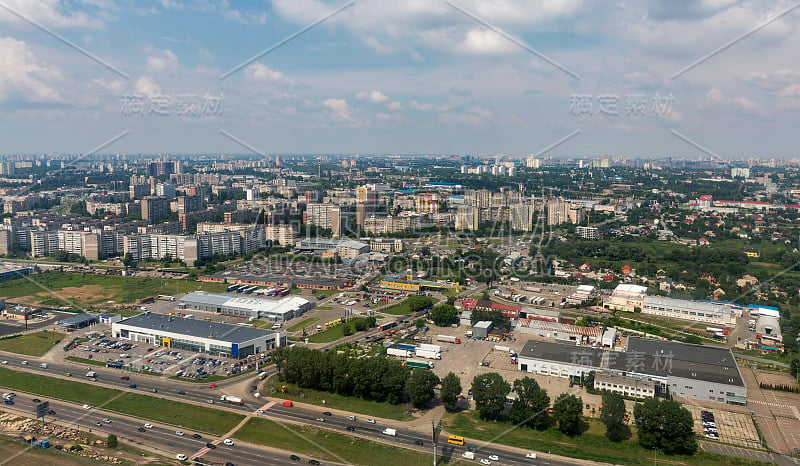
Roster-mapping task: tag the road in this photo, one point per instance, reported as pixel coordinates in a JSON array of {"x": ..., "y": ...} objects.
[{"x": 200, "y": 394}]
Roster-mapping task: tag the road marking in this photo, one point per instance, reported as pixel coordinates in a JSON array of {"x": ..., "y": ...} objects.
[{"x": 265, "y": 407}]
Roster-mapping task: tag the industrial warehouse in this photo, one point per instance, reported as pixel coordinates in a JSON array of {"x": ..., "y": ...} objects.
[
  {"x": 647, "y": 367},
  {"x": 278, "y": 309},
  {"x": 197, "y": 335}
]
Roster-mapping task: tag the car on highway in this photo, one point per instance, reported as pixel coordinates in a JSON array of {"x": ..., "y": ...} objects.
[
  {"x": 3, "y": 362},
  {"x": 142, "y": 429},
  {"x": 181, "y": 392},
  {"x": 328, "y": 413},
  {"x": 97, "y": 423},
  {"x": 36, "y": 400},
  {"x": 494, "y": 457},
  {"x": 133, "y": 385},
  {"x": 197, "y": 436},
  {"x": 87, "y": 407},
  {"x": 294, "y": 457},
  {"x": 181, "y": 457},
  {"x": 179, "y": 432},
  {"x": 351, "y": 428},
  {"x": 419, "y": 442},
  {"x": 211, "y": 402},
  {"x": 124, "y": 377},
  {"x": 260, "y": 411},
  {"x": 211, "y": 446},
  {"x": 320, "y": 419},
  {"x": 51, "y": 412},
  {"x": 9, "y": 402},
  {"x": 288, "y": 404},
  {"x": 213, "y": 385},
  {"x": 153, "y": 390},
  {"x": 148, "y": 426},
  {"x": 228, "y": 442},
  {"x": 370, "y": 421},
  {"x": 486, "y": 461},
  {"x": 314, "y": 462},
  {"x": 531, "y": 456},
  {"x": 107, "y": 420}
]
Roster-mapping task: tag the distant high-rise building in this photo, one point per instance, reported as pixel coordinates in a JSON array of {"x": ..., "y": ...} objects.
[
  {"x": 533, "y": 162},
  {"x": 155, "y": 209},
  {"x": 587, "y": 232},
  {"x": 738, "y": 172}
]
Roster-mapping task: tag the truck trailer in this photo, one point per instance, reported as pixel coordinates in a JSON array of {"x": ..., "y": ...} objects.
[
  {"x": 427, "y": 354},
  {"x": 419, "y": 364},
  {"x": 448, "y": 339},
  {"x": 406, "y": 347},
  {"x": 399, "y": 352},
  {"x": 231, "y": 399},
  {"x": 427, "y": 347}
]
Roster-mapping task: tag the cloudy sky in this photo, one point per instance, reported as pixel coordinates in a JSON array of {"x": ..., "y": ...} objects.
[{"x": 643, "y": 78}]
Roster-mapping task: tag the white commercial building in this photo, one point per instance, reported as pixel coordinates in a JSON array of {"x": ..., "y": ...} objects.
[
  {"x": 197, "y": 335},
  {"x": 700, "y": 311},
  {"x": 626, "y": 297},
  {"x": 275, "y": 309}
]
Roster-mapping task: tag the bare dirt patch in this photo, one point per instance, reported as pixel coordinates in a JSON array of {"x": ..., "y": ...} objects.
[{"x": 82, "y": 292}]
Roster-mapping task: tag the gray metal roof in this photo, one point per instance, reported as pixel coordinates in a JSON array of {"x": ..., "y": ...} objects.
[
  {"x": 78, "y": 318},
  {"x": 195, "y": 328}
]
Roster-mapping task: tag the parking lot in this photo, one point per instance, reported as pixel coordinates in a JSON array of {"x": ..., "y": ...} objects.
[{"x": 732, "y": 428}]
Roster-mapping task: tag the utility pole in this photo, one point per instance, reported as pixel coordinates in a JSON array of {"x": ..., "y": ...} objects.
[{"x": 436, "y": 429}]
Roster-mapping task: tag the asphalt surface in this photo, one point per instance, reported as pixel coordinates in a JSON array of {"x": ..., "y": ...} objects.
[{"x": 165, "y": 439}]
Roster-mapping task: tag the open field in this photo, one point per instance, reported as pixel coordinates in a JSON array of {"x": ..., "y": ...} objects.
[
  {"x": 334, "y": 401},
  {"x": 38, "y": 457},
  {"x": 200, "y": 418},
  {"x": 591, "y": 445},
  {"x": 326, "y": 445},
  {"x": 303, "y": 323},
  {"x": 77, "y": 290},
  {"x": 399, "y": 309},
  {"x": 327, "y": 336},
  {"x": 32, "y": 344}
]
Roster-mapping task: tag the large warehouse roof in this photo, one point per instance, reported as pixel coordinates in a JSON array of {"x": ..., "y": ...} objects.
[
  {"x": 194, "y": 328},
  {"x": 282, "y": 305}
]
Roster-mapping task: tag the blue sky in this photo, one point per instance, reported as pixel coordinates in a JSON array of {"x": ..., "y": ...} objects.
[{"x": 417, "y": 76}]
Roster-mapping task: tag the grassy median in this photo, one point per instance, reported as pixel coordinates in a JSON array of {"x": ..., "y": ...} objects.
[
  {"x": 32, "y": 344},
  {"x": 302, "y": 324},
  {"x": 151, "y": 408},
  {"x": 591, "y": 445},
  {"x": 326, "y": 445}
]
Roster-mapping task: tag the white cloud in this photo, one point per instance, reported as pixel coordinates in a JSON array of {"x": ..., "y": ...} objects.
[
  {"x": 145, "y": 85},
  {"x": 162, "y": 61},
  {"x": 49, "y": 13},
  {"x": 394, "y": 106},
  {"x": 260, "y": 72},
  {"x": 24, "y": 77},
  {"x": 115, "y": 86},
  {"x": 486, "y": 42},
  {"x": 339, "y": 107},
  {"x": 427, "y": 107},
  {"x": 714, "y": 95},
  {"x": 376, "y": 97}
]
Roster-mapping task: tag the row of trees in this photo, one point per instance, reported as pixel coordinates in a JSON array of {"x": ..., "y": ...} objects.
[
  {"x": 529, "y": 408},
  {"x": 378, "y": 379}
]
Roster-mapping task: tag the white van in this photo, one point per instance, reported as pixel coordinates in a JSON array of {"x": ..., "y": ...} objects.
[{"x": 43, "y": 365}]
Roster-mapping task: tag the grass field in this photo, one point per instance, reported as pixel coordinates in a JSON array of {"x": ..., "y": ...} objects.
[
  {"x": 399, "y": 309},
  {"x": 326, "y": 445},
  {"x": 334, "y": 401},
  {"x": 324, "y": 308},
  {"x": 200, "y": 418},
  {"x": 38, "y": 457},
  {"x": 78, "y": 290},
  {"x": 592, "y": 445},
  {"x": 304, "y": 323},
  {"x": 327, "y": 336},
  {"x": 32, "y": 344},
  {"x": 92, "y": 362}
]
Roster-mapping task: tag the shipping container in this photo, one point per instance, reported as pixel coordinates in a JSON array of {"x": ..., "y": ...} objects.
[
  {"x": 427, "y": 354},
  {"x": 399, "y": 352},
  {"x": 448, "y": 339}
]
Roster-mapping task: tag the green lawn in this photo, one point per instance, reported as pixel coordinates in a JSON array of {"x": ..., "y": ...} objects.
[
  {"x": 399, "y": 309},
  {"x": 302, "y": 324},
  {"x": 92, "y": 362},
  {"x": 334, "y": 401},
  {"x": 326, "y": 445},
  {"x": 25, "y": 456},
  {"x": 152, "y": 408},
  {"x": 327, "y": 336},
  {"x": 111, "y": 288},
  {"x": 324, "y": 308},
  {"x": 592, "y": 445},
  {"x": 32, "y": 344}
]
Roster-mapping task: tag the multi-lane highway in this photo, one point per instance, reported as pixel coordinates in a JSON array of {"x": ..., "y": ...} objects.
[{"x": 202, "y": 393}]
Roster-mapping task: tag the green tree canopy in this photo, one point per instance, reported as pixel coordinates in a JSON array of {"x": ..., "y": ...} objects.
[
  {"x": 419, "y": 386},
  {"x": 444, "y": 315},
  {"x": 613, "y": 417},
  {"x": 665, "y": 425},
  {"x": 451, "y": 388},
  {"x": 529, "y": 407},
  {"x": 489, "y": 392},
  {"x": 567, "y": 410}
]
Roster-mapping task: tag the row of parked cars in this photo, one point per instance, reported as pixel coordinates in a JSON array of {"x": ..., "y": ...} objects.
[
  {"x": 709, "y": 425},
  {"x": 116, "y": 345}
]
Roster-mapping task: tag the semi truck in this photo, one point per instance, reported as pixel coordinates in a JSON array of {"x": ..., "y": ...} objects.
[
  {"x": 419, "y": 364},
  {"x": 448, "y": 339},
  {"x": 390, "y": 431},
  {"x": 427, "y": 354},
  {"x": 723, "y": 331},
  {"x": 399, "y": 352},
  {"x": 231, "y": 399},
  {"x": 427, "y": 347}
]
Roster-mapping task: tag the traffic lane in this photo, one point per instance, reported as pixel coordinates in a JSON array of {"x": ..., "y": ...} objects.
[{"x": 164, "y": 437}]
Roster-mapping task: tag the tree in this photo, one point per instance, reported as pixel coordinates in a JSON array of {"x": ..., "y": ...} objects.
[
  {"x": 419, "y": 323},
  {"x": 794, "y": 367},
  {"x": 347, "y": 330},
  {"x": 613, "y": 417},
  {"x": 529, "y": 407},
  {"x": 451, "y": 388},
  {"x": 444, "y": 315},
  {"x": 567, "y": 411},
  {"x": 489, "y": 392},
  {"x": 419, "y": 387},
  {"x": 128, "y": 261},
  {"x": 112, "y": 441},
  {"x": 665, "y": 425}
]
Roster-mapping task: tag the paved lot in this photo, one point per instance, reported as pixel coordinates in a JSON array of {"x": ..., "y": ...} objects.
[
  {"x": 728, "y": 450},
  {"x": 733, "y": 428},
  {"x": 11, "y": 326}
]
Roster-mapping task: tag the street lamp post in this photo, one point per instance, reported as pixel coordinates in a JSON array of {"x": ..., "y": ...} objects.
[{"x": 436, "y": 429}]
